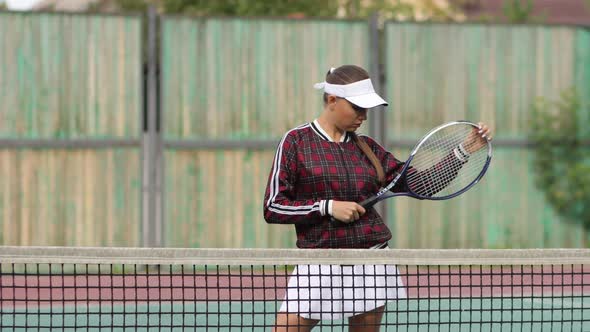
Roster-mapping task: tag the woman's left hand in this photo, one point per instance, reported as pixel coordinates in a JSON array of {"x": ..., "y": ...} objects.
[{"x": 477, "y": 138}]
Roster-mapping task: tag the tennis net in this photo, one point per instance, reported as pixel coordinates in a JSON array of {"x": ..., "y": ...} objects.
[{"x": 254, "y": 289}]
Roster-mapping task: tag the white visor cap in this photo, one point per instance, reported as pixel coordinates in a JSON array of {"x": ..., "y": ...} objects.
[{"x": 360, "y": 93}]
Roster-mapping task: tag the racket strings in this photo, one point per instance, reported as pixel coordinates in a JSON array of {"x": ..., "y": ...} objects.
[{"x": 440, "y": 168}]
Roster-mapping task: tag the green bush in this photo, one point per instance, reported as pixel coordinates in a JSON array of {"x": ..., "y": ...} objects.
[
  {"x": 521, "y": 11},
  {"x": 562, "y": 156}
]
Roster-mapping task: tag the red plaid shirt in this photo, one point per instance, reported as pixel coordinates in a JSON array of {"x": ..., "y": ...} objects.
[{"x": 309, "y": 172}]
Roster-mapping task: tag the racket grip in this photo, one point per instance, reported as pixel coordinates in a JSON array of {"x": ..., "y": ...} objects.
[{"x": 367, "y": 203}]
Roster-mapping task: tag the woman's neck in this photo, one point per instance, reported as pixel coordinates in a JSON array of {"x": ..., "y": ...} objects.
[{"x": 330, "y": 128}]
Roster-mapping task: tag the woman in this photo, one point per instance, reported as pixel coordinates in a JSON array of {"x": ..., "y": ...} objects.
[{"x": 320, "y": 171}]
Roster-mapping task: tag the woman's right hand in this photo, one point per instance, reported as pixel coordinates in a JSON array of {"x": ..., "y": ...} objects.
[{"x": 347, "y": 212}]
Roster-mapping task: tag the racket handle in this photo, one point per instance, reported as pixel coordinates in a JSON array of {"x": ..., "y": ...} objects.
[{"x": 367, "y": 203}]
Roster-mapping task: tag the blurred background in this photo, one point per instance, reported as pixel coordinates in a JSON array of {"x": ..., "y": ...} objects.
[{"x": 154, "y": 123}]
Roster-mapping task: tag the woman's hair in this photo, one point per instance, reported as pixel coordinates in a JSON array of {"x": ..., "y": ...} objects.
[
  {"x": 372, "y": 157},
  {"x": 345, "y": 75}
]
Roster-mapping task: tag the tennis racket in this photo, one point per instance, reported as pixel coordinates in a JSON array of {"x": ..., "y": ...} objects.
[{"x": 445, "y": 163}]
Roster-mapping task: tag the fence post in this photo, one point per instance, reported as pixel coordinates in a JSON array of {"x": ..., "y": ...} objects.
[
  {"x": 377, "y": 115},
  {"x": 152, "y": 156}
]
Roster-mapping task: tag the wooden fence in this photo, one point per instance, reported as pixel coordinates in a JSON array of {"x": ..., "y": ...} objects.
[{"x": 75, "y": 165}]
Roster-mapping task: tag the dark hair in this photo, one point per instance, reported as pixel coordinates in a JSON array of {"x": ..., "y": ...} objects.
[{"x": 345, "y": 75}]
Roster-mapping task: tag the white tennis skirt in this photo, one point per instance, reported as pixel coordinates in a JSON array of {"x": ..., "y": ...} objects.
[{"x": 330, "y": 292}]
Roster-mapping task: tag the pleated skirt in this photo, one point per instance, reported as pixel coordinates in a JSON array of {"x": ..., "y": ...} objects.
[{"x": 332, "y": 292}]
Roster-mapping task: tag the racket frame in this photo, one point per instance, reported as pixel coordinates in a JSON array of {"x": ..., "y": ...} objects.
[{"x": 386, "y": 192}]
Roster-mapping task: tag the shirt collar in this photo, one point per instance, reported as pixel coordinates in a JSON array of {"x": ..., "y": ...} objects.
[{"x": 315, "y": 125}]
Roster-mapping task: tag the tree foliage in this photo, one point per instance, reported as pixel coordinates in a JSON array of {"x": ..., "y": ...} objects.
[
  {"x": 252, "y": 7},
  {"x": 521, "y": 11},
  {"x": 518, "y": 11},
  {"x": 416, "y": 10},
  {"x": 561, "y": 158},
  {"x": 419, "y": 10},
  {"x": 133, "y": 5}
]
